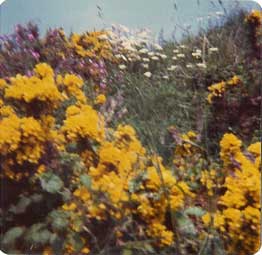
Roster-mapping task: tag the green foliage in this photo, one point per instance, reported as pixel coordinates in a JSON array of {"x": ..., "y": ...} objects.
[
  {"x": 11, "y": 236},
  {"x": 38, "y": 234},
  {"x": 195, "y": 211},
  {"x": 185, "y": 224},
  {"x": 59, "y": 220},
  {"x": 86, "y": 180},
  {"x": 51, "y": 182}
]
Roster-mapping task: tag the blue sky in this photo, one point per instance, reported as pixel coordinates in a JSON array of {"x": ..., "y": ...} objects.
[{"x": 81, "y": 15}]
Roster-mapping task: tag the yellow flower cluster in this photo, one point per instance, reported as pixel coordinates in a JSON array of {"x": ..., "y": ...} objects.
[
  {"x": 92, "y": 45},
  {"x": 72, "y": 86},
  {"x": 208, "y": 179},
  {"x": 118, "y": 162},
  {"x": 21, "y": 140},
  {"x": 2, "y": 84},
  {"x": 83, "y": 122},
  {"x": 100, "y": 99},
  {"x": 255, "y": 18},
  {"x": 116, "y": 167},
  {"x": 188, "y": 157},
  {"x": 230, "y": 145},
  {"x": 187, "y": 148},
  {"x": 35, "y": 89},
  {"x": 240, "y": 214},
  {"x": 218, "y": 89},
  {"x": 159, "y": 232},
  {"x": 159, "y": 193}
]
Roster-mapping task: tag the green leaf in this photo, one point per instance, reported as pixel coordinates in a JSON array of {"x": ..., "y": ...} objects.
[
  {"x": 86, "y": 180},
  {"x": 77, "y": 242},
  {"x": 195, "y": 211},
  {"x": 21, "y": 206},
  {"x": 185, "y": 224},
  {"x": 51, "y": 182},
  {"x": 36, "y": 198},
  {"x": 59, "y": 220},
  {"x": 65, "y": 194},
  {"x": 12, "y": 235},
  {"x": 149, "y": 248},
  {"x": 38, "y": 234}
]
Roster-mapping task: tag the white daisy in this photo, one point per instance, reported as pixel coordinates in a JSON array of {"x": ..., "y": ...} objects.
[{"x": 148, "y": 74}]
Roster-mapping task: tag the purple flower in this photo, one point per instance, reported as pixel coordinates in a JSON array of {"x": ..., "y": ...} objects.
[
  {"x": 29, "y": 73},
  {"x": 31, "y": 37},
  {"x": 102, "y": 85},
  {"x": 35, "y": 54}
]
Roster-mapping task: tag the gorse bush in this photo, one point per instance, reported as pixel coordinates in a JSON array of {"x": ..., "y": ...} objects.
[{"x": 113, "y": 144}]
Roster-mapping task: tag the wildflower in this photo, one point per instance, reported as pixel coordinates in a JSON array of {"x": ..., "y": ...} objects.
[
  {"x": 44, "y": 70},
  {"x": 155, "y": 58},
  {"x": 255, "y": 18},
  {"x": 229, "y": 145},
  {"x": 103, "y": 37},
  {"x": 165, "y": 77},
  {"x": 201, "y": 65},
  {"x": 100, "y": 99},
  {"x": 146, "y": 59},
  {"x": 189, "y": 66},
  {"x": 159, "y": 231},
  {"x": 157, "y": 46},
  {"x": 143, "y": 50},
  {"x": 176, "y": 51},
  {"x": 124, "y": 58},
  {"x": 172, "y": 68},
  {"x": 196, "y": 54},
  {"x": 163, "y": 56},
  {"x": 85, "y": 250},
  {"x": 2, "y": 84},
  {"x": 213, "y": 49},
  {"x": 216, "y": 90},
  {"x": 148, "y": 74},
  {"x": 83, "y": 122},
  {"x": 146, "y": 66},
  {"x": 174, "y": 58},
  {"x": 69, "y": 207},
  {"x": 180, "y": 55},
  {"x": 122, "y": 67},
  {"x": 235, "y": 80},
  {"x": 151, "y": 54},
  {"x": 42, "y": 89}
]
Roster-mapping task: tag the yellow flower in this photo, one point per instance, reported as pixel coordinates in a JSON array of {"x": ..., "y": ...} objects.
[
  {"x": 2, "y": 84},
  {"x": 229, "y": 145},
  {"x": 82, "y": 193},
  {"x": 29, "y": 89},
  {"x": 234, "y": 81},
  {"x": 69, "y": 207},
  {"x": 255, "y": 18},
  {"x": 44, "y": 70},
  {"x": 100, "y": 99},
  {"x": 83, "y": 122},
  {"x": 158, "y": 231},
  {"x": 85, "y": 250},
  {"x": 206, "y": 218}
]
